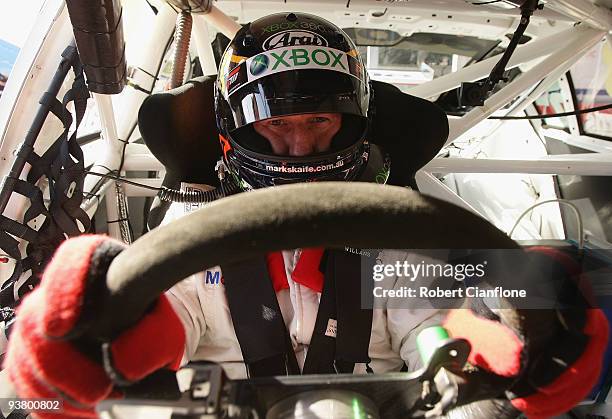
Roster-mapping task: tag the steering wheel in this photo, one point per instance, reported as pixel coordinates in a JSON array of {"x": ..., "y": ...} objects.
[{"x": 327, "y": 214}]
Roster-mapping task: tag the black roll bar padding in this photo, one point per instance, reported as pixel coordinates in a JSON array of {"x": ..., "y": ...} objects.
[
  {"x": 331, "y": 214},
  {"x": 98, "y": 30}
]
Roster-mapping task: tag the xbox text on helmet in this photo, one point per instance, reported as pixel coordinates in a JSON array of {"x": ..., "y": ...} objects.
[{"x": 310, "y": 57}]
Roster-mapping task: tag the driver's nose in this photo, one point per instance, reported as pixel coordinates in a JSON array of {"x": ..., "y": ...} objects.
[{"x": 302, "y": 142}]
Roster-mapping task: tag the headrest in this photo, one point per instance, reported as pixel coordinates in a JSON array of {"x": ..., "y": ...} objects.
[
  {"x": 412, "y": 130},
  {"x": 179, "y": 128}
]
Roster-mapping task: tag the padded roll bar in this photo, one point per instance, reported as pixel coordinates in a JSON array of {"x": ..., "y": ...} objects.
[{"x": 98, "y": 31}]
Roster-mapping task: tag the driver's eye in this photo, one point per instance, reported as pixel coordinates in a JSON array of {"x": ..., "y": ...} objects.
[
  {"x": 277, "y": 122},
  {"x": 319, "y": 119}
]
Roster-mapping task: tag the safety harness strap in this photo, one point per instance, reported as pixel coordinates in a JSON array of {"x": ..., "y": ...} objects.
[
  {"x": 257, "y": 318},
  {"x": 354, "y": 322},
  {"x": 341, "y": 335}
]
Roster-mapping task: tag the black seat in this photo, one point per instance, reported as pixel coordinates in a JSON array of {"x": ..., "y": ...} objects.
[{"x": 179, "y": 128}]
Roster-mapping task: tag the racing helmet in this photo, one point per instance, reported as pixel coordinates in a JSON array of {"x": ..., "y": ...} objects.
[{"x": 286, "y": 64}]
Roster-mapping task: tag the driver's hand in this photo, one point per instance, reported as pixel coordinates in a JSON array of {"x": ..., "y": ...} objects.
[
  {"x": 47, "y": 355},
  {"x": 543, "y": 361}
]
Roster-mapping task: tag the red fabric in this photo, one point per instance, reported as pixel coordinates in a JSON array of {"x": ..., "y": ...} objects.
[
  {"x": 40, "y": 367},
  {"x": 576, "y": 382},
  {"x": 27, "y": 379},
  {"x": 52, "y": 310},
  {"x": 306, "y": 271},
  {"x": 495, "y": 347},
  {"x": 276, "y": 269},
  {"x": 64, "y": 281},
  {"x": 157, "y": 341}
]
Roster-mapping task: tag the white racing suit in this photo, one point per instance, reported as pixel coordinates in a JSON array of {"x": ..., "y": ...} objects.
[{"x": 201, "y": 304}]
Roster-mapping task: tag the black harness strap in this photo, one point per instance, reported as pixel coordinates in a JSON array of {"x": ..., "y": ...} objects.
[
  {"x": 50, "y": 236},
  {"x": 17, "y": 229},
  {"x": 62, "y": 165},
  {"x": 69, "y": 184},
  {"x": 43, "y": 165},
  {"x": 264, "y": 340},
  {"x": 341, "y": 335},
  {"x": 35, "y": 195},
  {"x": 11, "y": 247},
  {"x": 322, "y": 349},
  {"x": 354, "y": 322}
]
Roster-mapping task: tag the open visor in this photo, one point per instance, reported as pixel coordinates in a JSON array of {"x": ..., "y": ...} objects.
[{"x": 294, "y": 80}]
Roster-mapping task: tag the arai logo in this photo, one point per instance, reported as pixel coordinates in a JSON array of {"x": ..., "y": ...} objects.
[{"x": 294, "y": 38}]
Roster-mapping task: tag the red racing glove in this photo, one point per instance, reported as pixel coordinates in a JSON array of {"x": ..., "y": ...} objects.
[
  {"x": 547, "y": 360},
  {"x": 46, "y": 355}
]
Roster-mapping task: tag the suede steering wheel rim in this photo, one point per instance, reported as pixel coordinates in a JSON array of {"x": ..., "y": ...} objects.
[{"x": 327, "y": 214}]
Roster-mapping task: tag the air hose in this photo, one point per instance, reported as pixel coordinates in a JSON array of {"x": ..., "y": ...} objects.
[
  {"x": 197, "y": 196},
  {"x": 182, "y": 35}
]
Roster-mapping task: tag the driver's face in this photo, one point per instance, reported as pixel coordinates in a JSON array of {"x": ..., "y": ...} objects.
[{"x": 300, "y": 135}]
